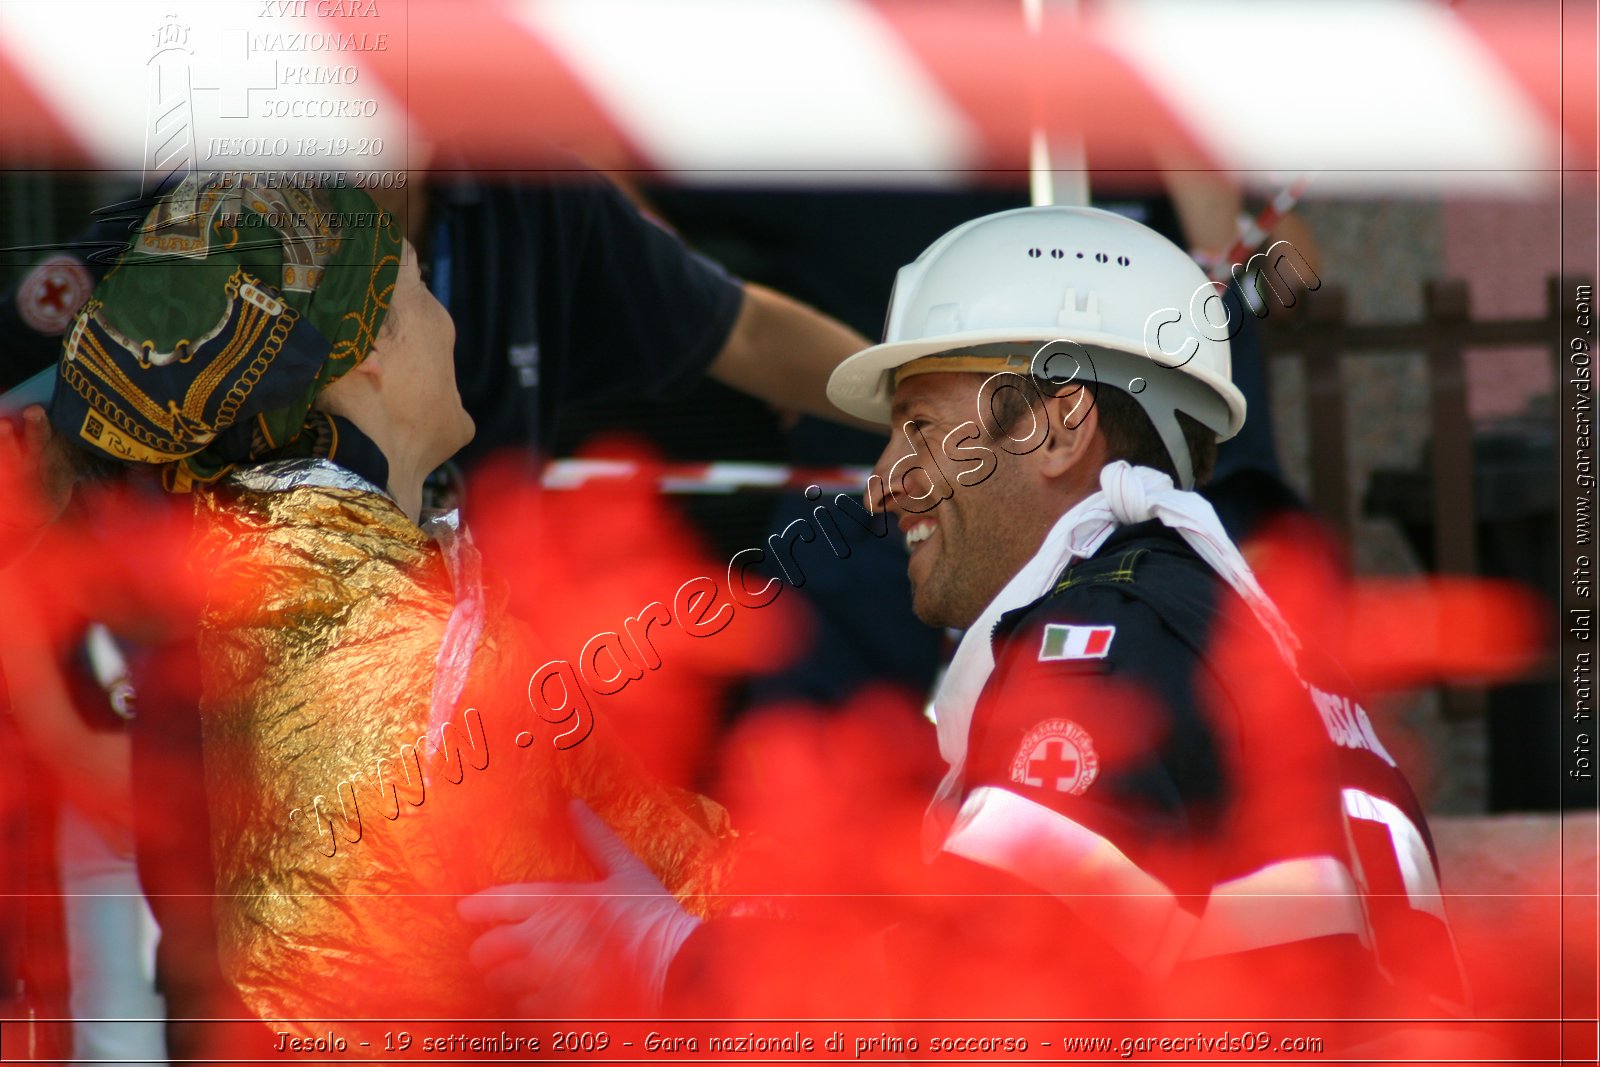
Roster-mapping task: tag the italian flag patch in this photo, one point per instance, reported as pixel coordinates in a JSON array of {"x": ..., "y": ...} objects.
[{"x": 1075, "y": 642}]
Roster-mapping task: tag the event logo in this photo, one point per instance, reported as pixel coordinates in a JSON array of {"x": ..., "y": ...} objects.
[{"x": 242, "y": 97}]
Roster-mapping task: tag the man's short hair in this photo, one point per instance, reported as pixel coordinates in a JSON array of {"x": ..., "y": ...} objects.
[{"x": 1129, "y": 433}]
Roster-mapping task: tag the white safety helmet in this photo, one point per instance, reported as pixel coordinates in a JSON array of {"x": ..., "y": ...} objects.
[{"x": 1139, "y": 307}]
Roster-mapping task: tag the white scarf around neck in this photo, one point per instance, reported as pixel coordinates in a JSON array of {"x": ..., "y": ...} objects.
[{"x": 1127, "y": 495}]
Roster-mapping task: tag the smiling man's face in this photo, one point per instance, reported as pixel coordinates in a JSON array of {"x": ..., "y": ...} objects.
[{"x": 965, "y": 549}]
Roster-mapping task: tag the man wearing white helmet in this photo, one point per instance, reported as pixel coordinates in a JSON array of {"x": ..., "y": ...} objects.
[
  {"x": 1165, "y": 791},
  {"x": 1128, "y": 713}
]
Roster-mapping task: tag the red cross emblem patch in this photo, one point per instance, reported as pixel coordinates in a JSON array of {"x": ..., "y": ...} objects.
[
  {"x": 1057, "y": 754},
  {"x": 52, "y": 293}
]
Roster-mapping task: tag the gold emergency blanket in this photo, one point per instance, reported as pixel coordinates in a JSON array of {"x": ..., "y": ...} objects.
[{"x": 338, "y": 872}]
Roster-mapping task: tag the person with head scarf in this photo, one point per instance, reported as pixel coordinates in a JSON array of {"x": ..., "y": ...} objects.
[{"x": 369, "y": 750}]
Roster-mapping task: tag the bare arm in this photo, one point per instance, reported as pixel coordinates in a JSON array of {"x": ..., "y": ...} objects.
[
  {"x": 1208, "y": 208},
  {"x": 782, "y": 351}
]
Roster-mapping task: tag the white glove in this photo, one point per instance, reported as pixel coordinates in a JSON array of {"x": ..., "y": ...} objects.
[{"x": 570, "y": 948}]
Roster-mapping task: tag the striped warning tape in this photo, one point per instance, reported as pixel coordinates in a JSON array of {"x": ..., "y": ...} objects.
[
  {"x": 707, "y": 478},
  {"x": 916, "y": 92},
  {"x": 1253, "y": 232}
]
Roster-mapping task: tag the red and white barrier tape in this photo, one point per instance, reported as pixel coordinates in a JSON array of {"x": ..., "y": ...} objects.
[
  {"x": 734, "y": 89},
  {"x": 708, "y": 478},
  {"x": 1253, "y": 232}
]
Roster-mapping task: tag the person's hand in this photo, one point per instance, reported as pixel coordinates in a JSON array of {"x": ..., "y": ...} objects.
[
  {"x": 565, "y": 949},
  {"x": 35, "y": 482}
]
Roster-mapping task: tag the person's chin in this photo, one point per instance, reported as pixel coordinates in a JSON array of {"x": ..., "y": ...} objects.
[{"x": 926, "y": 607}]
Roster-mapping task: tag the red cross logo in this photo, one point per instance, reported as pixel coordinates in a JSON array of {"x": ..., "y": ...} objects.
[
  {"x": 52, "y": 293},
  {"x": 1054, "y": 768},
  {"x": 1058, "y": 755},
  {"x": 55, "y": 293}
]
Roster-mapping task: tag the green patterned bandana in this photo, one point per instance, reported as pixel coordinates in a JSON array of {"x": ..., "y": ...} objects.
[{"x": 240, "y": 299}]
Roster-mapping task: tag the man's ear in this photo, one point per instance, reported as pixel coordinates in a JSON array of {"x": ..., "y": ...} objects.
[{"x": 1074, "y": 432}]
